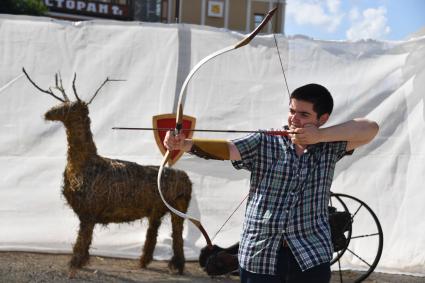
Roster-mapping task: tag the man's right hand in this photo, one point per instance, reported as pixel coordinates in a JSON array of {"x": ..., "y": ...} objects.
[
  {"x": 179, "y": 142},
  {"x": 176, "y": 142}
]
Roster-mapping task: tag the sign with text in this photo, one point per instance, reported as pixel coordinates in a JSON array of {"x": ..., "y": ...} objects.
[{"x": 90, "y": 8}]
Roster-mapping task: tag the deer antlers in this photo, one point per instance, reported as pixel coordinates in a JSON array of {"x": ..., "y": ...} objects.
[
  {"x": 59, "y": 86},
  {"x": 50, "y": 92}
]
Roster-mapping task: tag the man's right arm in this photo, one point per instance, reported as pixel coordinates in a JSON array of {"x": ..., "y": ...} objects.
[{"x": 207, "y": 148}]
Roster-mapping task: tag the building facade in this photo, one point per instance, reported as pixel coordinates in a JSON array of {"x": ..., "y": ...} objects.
[{"x": 238, "y": 15}]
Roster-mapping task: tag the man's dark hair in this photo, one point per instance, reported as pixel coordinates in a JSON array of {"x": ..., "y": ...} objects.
[{"x": 316, "y": 94}]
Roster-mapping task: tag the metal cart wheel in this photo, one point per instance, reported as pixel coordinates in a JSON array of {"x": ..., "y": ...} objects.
[{"x": 358, "y": 245}]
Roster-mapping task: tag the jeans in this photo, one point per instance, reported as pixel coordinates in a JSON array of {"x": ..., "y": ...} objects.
[{"x": 288, "y": 271}]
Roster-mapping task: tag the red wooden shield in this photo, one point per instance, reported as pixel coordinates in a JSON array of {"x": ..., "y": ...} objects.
[{"x": 169, "y": 121}]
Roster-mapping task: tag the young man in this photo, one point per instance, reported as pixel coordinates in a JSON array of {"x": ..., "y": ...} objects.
[{"x": 286, "y": 234}]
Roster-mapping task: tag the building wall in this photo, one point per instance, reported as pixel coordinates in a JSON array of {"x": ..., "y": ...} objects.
[
  {"x": 237, "y": 15},
  {"x": 191, "y": 11}
]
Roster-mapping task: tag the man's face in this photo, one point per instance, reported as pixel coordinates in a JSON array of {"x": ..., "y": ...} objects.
[{"x": 301, "y": 113}]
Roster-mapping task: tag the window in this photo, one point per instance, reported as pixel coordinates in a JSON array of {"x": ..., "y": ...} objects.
[
  {"x": 258, "y": 18},
  {"x": 151, "y": 10}
]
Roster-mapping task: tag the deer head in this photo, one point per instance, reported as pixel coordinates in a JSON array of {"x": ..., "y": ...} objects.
[{"x": 66, "y": 111}]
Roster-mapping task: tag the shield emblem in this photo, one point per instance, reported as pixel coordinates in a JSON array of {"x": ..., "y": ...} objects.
[{"x": 168, "y": 121}]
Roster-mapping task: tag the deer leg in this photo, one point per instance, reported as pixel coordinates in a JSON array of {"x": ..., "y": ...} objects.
[
  {"x": 150, "y": 242},
  {"x": 177, "y": 261},
  {"x": 80, "y": 255}
]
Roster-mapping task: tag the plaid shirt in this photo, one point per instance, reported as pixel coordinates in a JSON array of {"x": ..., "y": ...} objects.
[{"x": 288, "y": 200}]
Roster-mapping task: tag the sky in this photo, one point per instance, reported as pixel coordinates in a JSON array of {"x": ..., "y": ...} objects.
[{"x": 355, "y": 19}]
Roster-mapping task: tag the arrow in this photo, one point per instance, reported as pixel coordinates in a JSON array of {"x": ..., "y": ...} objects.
[{"x": 272, "y": 132}]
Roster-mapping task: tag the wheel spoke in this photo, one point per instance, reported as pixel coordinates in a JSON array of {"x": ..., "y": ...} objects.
[
  {"x": 364, "y": 236},
  {"x": 359, "y": 257},
  {"x": 355, "y": 213}
]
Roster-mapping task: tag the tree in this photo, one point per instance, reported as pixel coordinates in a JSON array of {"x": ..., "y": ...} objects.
[{"x": 26, "y": 7}]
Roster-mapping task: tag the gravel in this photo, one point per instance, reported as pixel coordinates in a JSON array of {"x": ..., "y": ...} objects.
[{"x": 39, "y": 267}]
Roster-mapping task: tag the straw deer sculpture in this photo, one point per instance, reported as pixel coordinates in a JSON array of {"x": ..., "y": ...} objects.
[{"x": 102, "y": 190}]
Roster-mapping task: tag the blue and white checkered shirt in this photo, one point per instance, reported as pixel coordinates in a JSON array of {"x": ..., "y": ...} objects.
[{"x": 288, "y": 200}]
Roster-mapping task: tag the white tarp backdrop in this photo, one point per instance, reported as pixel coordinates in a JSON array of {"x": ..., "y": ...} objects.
[{"x": 243, "y": 89}]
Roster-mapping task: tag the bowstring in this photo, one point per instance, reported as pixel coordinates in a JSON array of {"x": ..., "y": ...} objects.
[
  {"x": 281, "y": 65},
  {"x": 228, "y": 218}
]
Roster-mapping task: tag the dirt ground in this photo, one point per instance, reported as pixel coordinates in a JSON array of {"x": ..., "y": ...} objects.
[{"x": 37, "y": 267}]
